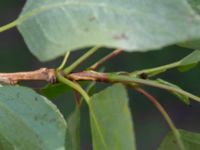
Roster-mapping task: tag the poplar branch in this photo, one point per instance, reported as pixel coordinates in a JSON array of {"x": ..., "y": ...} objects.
[
  {"x": 51, "y": 75},
  {"x": 42, "y": 74}
]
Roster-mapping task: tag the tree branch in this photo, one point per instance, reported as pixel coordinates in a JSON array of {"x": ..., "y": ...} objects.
[
  {"x": 50, "y": 75},
  {"x": 42, "y": 74}
]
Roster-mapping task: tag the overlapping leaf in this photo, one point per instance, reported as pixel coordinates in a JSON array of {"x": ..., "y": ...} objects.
[
  {"x": 111, "y": 120},
  {"x": 52, "y": 27}
]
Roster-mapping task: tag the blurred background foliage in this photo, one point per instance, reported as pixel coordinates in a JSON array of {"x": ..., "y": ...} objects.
[{"x": 149, "y": 125}]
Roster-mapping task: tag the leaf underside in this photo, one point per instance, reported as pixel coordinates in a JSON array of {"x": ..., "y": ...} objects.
[{"x": 50, "y": 28}]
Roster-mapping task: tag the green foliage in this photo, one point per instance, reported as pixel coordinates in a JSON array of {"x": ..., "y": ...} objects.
[
  {"x": 191, "y": 141},
  {"x": 191, "y": 59},
  {"x": 111, "y": 121},
  {"x": 50, "y": 28},
  {"x": 29, "y": 121},
  {"x": 52, "y": 91}
]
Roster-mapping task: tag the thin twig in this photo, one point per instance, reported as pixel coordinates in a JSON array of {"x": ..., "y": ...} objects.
[
  {"x": 165, "y": 115},
  {"x": 113, "y": 77},
  {"x": 106, "y": 58}
]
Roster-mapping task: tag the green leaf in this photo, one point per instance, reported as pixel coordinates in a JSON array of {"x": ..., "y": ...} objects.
[
  {"x": 194, "y": 44},
  {"x": 111, "y": 121},
  {"x": 29, "y": 121},
  {"x": 191, "y": 141},
  {"x": 195, "y": 4},
  {"x": 192, "y": 58},
  {"x": 190, "y": 61},
  {"x": 187, "y": 67},
  {"x": 183, "y": 98},
  {"x": 74, "y": 130},
  {"x": 191, "y": 44},
  {"x": 53, "y": 90},
  {"x": 52, "y": 27}
]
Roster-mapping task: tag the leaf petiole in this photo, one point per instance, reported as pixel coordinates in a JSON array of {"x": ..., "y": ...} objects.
[
  {"x": 80, "y": 60},
  {"x": 9, "y": 26},
  {"x": 74, "y": 86},
  {"x": 64, "y": 61}
]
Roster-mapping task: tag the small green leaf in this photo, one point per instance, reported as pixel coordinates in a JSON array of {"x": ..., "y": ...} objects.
[
  {"x": 191, "y": 141},
  {"x": 183, "y": 98},
  {"x": 52, "y": 27},
  {"x": 190, "y": 61},
  {"x": 111, "y": 122},
  {"x": 192, "y": 58},
  {"x": 187, "y": 67},
  {"x": 53, "y": 90},
  {"x": 29, "y": 121},
  {"x": 74, "y": 130}
]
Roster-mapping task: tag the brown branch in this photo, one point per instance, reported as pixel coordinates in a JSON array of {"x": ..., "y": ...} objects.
[
  {"x": 49, "y": 75},
  {"x": 106, "y": 58},
  {"x": 89, "y": 76},
  {"x": 43, "y": 74}
]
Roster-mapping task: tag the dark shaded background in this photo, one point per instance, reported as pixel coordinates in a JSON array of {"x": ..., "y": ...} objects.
[{"x": 149, "y": 125}]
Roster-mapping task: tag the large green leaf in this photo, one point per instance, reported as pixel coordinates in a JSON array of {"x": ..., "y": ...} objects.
[
  {"x": 51, "y": 27},
  {"x": 29, "y": 121},
  {"x": 191, "y": 141},
  {"x": 111, "y": 123}
]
